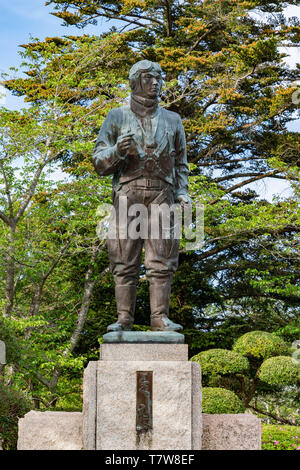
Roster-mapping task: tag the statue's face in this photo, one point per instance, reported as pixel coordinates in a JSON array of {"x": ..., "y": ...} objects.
[{"x": 151, "y": 83}]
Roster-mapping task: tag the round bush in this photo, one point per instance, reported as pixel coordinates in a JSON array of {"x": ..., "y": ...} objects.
[
  {"x": 13, "y": 405},
  {"x": 260, "y": 344},
  {"x": 280, "y": 370},
  {"x": 219, "y": 401},
  {"x": 221, "y": 362}
]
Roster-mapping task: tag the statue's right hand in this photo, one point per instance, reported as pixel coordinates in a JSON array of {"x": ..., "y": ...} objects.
[{"x": 124, "y": 142}]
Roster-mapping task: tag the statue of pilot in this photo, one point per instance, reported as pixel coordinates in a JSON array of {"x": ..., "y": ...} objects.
[{"x": 143, "y": 146}]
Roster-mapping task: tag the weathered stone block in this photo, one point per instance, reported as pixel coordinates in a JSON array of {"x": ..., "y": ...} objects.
[
  {"x": 143, "y": 352},
  {"x": 176, "y": 406},
  {"x": 50, "y": 430},
  {"x": 231, "y": 432}
]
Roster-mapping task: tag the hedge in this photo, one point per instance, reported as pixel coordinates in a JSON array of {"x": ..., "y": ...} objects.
[
  {"x": 221, "y": 362},
  {"x": 260, "y": 345},
  {"x": 217, "y": 400},
  {"x": 279, "y": 370}
]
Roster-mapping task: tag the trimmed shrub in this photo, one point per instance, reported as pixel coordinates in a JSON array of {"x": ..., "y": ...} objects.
[
  {"x": 219, "y": 400},
  {"x": 260, "y": 345},
  {"x": 13, "y": 405},
  {"x": 221, "y": 362},
  {"x": 279, "y": 370},
  {"x": 281, "y": 437}
]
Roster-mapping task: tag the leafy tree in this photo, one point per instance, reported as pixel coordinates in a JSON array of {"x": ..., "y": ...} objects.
[
  {"x": 226, "y": 76},
  {"x": 260, "y": 345},
  {"x": 48, "y": 249},
  {"x": 256, "y": 367}
]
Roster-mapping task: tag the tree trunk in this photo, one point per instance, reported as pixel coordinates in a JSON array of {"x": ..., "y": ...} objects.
[{"x": 10, "y": 273}]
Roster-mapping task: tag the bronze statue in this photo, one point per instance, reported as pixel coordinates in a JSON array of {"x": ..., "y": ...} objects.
[{"x": 143, "y": 146}]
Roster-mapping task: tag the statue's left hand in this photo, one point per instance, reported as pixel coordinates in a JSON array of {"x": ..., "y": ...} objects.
[
  {"x": 184, "y": 199},
  {"x": 124, "y": 142}
]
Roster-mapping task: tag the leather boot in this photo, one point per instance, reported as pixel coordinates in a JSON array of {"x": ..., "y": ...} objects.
[
  {"x": 159, "y": 304},
  {"x": 125, "y": 299}
]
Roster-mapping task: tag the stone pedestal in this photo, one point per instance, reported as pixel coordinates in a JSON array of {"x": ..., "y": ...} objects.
[
  {"x": 161, "y": 412},
  {"x": 143, "y": 394}
]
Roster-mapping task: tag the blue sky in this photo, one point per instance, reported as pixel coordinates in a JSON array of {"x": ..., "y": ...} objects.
[{"x": 22, "y": 19}]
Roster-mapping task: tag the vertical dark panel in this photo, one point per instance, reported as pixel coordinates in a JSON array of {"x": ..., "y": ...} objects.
[{"x": 143, "y": 401}]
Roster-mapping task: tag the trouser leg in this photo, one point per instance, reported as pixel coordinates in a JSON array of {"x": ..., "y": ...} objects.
[
  {"x": 125, "y": 258},
  {"x": 161, "y": 261}
]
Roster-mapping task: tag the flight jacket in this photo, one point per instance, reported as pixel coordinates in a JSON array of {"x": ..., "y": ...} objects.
[{"x": 160, "y": 154}]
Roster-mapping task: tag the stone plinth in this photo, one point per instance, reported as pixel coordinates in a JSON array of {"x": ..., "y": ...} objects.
[
  {"x": 50, "y": 430},
  {"x": 140, "y": 396},
  {"x": 143, "y": 352},
  {"x": 231, "y": 432},
  {"x": 143, "y": 346},
  {"x": 110, "y": 396},
  {"x": 140, "y": 337}
]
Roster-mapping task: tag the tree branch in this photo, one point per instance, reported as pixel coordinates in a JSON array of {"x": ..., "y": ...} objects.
[
  {"x": 243, "y": 183},
  {"x": 7, "y": 190},
  {"x": 5, "y": 219},
  {"x": 270, "y": 415},
  {"x": 36, "y": 300},
  {"x": 89, "y": 284},
  {"x": 242, "y": 175}
]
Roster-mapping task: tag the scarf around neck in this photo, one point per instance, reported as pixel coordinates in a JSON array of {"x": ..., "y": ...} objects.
[{"x": 143, "y": 107}]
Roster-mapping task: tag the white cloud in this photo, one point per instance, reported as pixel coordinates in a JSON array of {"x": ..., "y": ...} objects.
[{"x": 292, "y": 11}]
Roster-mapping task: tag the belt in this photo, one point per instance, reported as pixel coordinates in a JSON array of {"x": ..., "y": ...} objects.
[{"x": 148, "y": 183}]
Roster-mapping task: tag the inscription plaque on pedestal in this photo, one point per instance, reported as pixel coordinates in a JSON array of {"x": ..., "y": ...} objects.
[
  {"x": 144, "y": 422},
  {"x": 143, "y": 401}
]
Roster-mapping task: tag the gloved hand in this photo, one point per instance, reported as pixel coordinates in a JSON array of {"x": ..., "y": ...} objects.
[{"x": 184, "y": 199}]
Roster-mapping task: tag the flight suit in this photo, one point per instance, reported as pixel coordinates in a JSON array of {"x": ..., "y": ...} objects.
[{"x": 154, "y": 171}]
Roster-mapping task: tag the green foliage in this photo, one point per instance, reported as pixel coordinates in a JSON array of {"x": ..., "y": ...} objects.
[
  {"x": 290, "y": 333},
  {"x": 13, "y": 405},
  {"x": 280, "y": 437},
  {"x": 279, "y": 370},
  {"x": 257, "y": 380},
  {"x": 260, "y": 344},
  {"x": 226, "y": 77},
  {"x": 221, "y": 362},
  {"x": 218, "y": 401}
]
